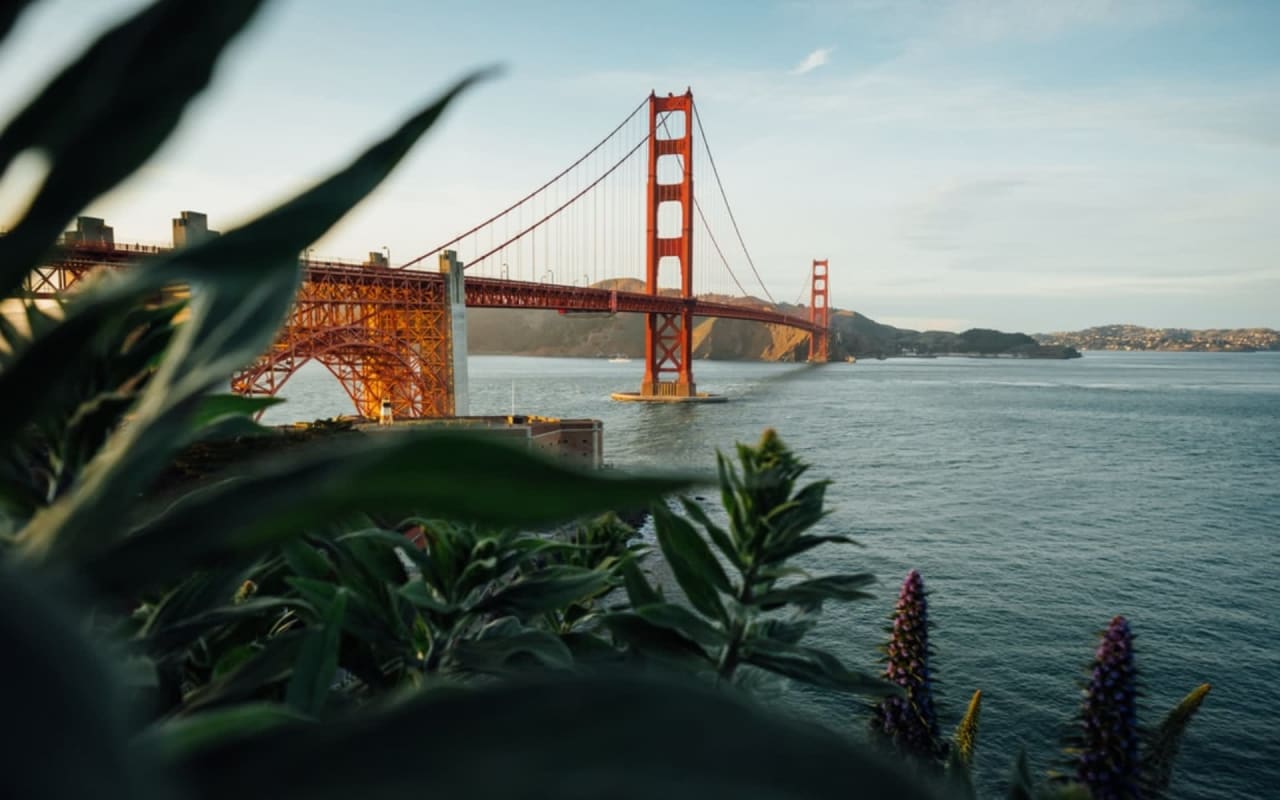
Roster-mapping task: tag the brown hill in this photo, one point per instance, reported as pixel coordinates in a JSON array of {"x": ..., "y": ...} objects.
[{"x": 548, "y": 333}]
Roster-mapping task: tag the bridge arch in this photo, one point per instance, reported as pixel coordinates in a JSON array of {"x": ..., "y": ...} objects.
[{"x": 367, "y": 370}]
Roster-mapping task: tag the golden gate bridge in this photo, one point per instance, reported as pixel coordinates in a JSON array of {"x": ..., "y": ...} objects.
[{"x": 390, "y": 332}]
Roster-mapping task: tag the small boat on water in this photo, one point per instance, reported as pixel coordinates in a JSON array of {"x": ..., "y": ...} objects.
[{"x": 619, "y": 359}]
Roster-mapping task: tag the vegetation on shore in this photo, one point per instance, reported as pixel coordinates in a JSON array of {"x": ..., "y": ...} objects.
[
  {"x": 546, "y": 333},
  {"x": 1135, "y": 337},
  {"x": 356, "y": 616}
]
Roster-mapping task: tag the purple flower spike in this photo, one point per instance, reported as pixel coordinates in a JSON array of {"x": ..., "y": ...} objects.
[
  {"x": 1108, "y": 762},
  {"x": 910, "y": 721}
]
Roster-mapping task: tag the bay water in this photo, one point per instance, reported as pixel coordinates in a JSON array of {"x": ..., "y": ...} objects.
[{"x": 1037, "y": 498}]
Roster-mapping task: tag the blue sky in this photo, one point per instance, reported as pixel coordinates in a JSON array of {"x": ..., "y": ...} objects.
[{"x": 1008, "y": 163}]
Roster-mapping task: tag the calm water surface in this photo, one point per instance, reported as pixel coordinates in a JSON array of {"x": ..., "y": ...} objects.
[{"x": 1038, "y": 498}]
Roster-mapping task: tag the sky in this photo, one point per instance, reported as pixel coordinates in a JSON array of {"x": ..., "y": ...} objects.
[{"x": 1031, "y": 165}]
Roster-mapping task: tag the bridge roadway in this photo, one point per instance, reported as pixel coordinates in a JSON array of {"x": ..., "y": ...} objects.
[{"x": 481, "y": 292}]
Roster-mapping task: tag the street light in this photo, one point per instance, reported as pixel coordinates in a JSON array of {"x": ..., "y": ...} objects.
[
  {"x": 387, "y": 250},
  {"x": 550, "y": 276},
  {"x": 506, "y": 273}
]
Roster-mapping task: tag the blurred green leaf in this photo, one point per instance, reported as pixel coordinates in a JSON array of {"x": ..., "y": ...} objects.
[
  {"x": 654, "y": 641},
  {"x": 9, "y": 13},
  {"x": 215, "y": 407},
  {"x": 244, "y": 283},
  {"x": 1021, "y": 785},
  {"x": 305, "y": 560},
  {"x": 184, "y": 736},
  {"x": 106, "y": 112},
  {"x": 811, "y": 666},
  {"x": 450, "y": 474},
  {"x": 511, "y": 741},
  {"x": 691, "y": 561},
  {"x": 63, "y": 705},
  {"x": 318, "y": 661},
  {"x": 505, "y": 647}
]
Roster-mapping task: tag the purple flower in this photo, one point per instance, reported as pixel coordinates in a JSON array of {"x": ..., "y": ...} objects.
[
  {"x": 909, "y": 721},
  {"x": 1108, "y": 762}
]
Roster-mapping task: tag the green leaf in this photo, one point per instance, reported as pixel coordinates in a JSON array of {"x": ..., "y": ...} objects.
[
  {"x": 639, "y": 591},
  {"x": 63, "y": 704},
  {"x": 185, "y": 736},
  {"x": 813, "y": 592},
  {"x": 1162, "y": 749},
  {"x": 718, "y": 535},
  {"x": 656, "y": 642},
  {"x": 168, "y": 637},
  {"x": 417, "y": 593},
  {"x": 105, "y": 113},
  {"x": 549, "y": 589},
  {"x": 1021, "y": 785},
  {"x": 87, "y": 430},
  {"x": 268, "y": 666},
  {"x": 811, "y": 666},
  {"x": 244, "y": 284},
  {"x": 318, "y": 661},
  {"x": 691, "y": 561},
  {"x": 454, "y": 475},
  {"x": 511, "y": 741},
  {"x": 305, "y": 560},
  {"x": 9, "y": 13},
  {"x": 682, "y": 620},
  {"x": 215, "y": 407},
  {"x": 505, "y": 646},
  {"x": 807, "y": 542}
]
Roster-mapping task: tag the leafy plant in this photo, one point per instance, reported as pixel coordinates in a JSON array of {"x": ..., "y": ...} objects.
[{"x": 758, "y": 617}]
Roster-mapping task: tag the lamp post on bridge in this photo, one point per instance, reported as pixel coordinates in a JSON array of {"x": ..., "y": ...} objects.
[
  {"x": 506, "y": 273},
  {"x": 387, "y": 250}
]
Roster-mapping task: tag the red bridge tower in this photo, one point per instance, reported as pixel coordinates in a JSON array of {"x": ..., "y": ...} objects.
[{"x": 819, "y": 312}]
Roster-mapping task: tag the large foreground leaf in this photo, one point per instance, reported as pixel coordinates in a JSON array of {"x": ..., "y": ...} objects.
[
  {"x": 62, "y": 706},
  {"x": 106, "y": 112},
  {"x": 244, "y": 283},
  {"x": 558, "y": 738},
  {"x": 443, "y": 475}
]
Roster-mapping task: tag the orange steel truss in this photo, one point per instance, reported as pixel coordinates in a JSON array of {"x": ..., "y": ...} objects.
[
  {"x": 668, "y": 337},
  {"x": 819, "y": 312},
  {"x": 383, "y": 333}
]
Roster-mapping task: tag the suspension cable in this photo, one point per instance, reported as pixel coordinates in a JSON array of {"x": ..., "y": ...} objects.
[
  {"x": 729, "y": 208},
  {"x": 698, "y": 207},
  {"x": 716, "y": 245},
  {"x": 524, "y": 199},
  {"x": 559, "y": 208}
]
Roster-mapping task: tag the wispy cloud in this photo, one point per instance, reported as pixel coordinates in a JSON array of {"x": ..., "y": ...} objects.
[{"x": 814, "y": 60}]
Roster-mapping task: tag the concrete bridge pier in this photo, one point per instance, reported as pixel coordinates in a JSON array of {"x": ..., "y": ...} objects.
[{"x": 456, "y": 303}]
